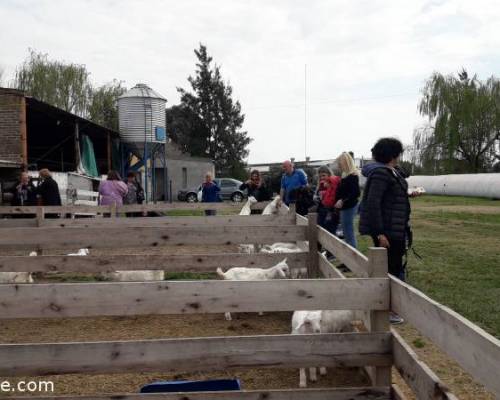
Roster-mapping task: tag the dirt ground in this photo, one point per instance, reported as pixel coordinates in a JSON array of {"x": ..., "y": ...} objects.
[{"x": 155, "y": 327}]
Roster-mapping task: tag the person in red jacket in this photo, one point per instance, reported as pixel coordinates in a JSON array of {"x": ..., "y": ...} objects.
[{"x": 328, "y": 216}]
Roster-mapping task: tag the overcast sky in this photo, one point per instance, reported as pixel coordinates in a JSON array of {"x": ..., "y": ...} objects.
[{"x": 366, "y": 60}]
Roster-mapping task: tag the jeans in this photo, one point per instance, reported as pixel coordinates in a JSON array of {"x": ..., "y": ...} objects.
[{"x": 347, "y": 222}]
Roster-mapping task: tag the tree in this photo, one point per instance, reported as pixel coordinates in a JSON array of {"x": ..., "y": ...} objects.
[
  {"x": 208, "y": 122},
  {"x": 102, "y": 107},
  {"x": 464, "y": 117},
  {"x": 64, "y": 85},
  {"x": 67, "y": 86}
]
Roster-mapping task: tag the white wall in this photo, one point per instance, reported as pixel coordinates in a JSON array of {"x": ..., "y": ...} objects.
[{"x": 479, "y": 185}]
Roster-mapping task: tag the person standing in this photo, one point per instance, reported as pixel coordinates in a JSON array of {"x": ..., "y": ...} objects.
[
  {"x": 210, "y": 193},
  {"x": 24, "y": 193},
  {"x": 112, "y": 190},
  {"x": 135, "y": 192},
  {"x": 48, "y": 189},
  {"x": 257, "y": 188},
  {"x": 348, "y": 197},
  {"x": 385, "y": 209},
  {"x": 291, "y": 181},
  {"x": 328, "y": 215}
]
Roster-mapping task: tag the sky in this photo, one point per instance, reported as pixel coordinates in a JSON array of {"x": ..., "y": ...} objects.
[{"x": 314, "y": 78}]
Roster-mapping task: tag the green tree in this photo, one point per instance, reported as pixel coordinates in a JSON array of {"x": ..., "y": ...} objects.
[
  {"x": 464, "y": 130},
  {"x": 64, "y": 85},
  {"x": 102, "y": 107},
  {"x": 211, "y": 119}
]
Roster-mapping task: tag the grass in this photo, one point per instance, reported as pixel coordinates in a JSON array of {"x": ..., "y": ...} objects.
[{"x": 461, "y": 256}]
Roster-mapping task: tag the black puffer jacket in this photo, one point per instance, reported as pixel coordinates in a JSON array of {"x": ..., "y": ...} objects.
[{"x": 385, "y": 208}]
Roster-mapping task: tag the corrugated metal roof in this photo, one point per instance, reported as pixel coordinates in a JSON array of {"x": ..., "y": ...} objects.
[{"x": 142, "y": 90}]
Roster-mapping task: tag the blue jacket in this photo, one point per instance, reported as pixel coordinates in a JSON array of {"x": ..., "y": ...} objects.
[
  {"x": 289, "y": 183},
  {"x": 210, "y": 193}
]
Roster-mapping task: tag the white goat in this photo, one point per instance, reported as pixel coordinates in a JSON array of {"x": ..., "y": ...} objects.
[
  {"x": 247, "y": 208},
  {"x": 18, "y": 277},
  {"x": 272, "y": 207},
  {"x": 80, "y": 252},
  {"x": 295, "y": 273},
  {"x": 139, "y": 275},
  {"x": 278, "y": 271},
  {"x": 281, "y": 248},
  {"x": 320, "y": 321}
]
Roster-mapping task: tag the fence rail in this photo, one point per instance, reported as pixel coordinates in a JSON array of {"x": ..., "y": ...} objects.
[
  {"x": 196, "y": 354},
  {"x": 159, "y": 207},
  {"x": 357, "y": 393},
  {"x": 131, "y": 262},
  {"x": 474, "y": 349},
  {"x": 166, "y": 221},
  {"x": 102, "y": 237},
  {"x": 188, "y": 297}
]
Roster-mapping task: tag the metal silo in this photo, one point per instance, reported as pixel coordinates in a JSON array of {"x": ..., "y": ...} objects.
[{"x": 142, "y": 125}]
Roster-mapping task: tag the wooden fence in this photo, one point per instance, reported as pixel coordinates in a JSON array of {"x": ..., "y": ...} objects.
[{"x": 371, "y": 290}]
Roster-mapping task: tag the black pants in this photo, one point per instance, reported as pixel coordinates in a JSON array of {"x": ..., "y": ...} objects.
[{"x": 395, "y": 254}]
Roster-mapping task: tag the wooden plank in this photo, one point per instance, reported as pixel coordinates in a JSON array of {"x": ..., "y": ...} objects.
[
  {"x": 348, "y": 255},
  {"x": 312, "y": 238},
  {"x": 474, "y": 349},
  {"x": 301, "y": 220},
  {"x": 357, "y": 393},
  {"x": 378, "y": 321},
  {"x": 419, "y": 377},
  {"x": 99, "y": 237},
  {"x": 196, "y": 354},
  {"x": 327, "y": 270},
  {"x": 179, "y": 297},
  {"x": 159, "y": 207},
  {"x": 169, "y": 263},
  {"x": 233, "y": 220},
  {"x": 18, "y": 223},
  {"x": 397, "y": 393}
]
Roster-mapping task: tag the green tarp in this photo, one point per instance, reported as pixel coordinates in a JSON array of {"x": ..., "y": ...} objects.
[{"x": 88, "y": 157}]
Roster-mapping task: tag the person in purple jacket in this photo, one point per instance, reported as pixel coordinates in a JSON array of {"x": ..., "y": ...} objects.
[{"x": 112, "y": 190}]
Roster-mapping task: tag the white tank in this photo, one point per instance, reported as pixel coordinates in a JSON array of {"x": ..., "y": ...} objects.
[
  {"x": 141, "y": 116},
  {"x": 478, "y": 185}
]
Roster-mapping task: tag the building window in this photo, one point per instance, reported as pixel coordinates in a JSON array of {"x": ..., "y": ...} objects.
[{"x": 184, "y": 178}]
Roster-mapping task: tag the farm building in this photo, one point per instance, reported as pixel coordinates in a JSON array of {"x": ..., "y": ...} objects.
[{"x": 37, "y": 135}]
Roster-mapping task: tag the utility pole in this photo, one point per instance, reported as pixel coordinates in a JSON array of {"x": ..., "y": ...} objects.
[{"x": 305, "y": 111}]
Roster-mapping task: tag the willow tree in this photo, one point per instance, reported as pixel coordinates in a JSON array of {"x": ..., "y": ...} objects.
[
  {"x": 464, "y": 122},
  {"x": 64, "y": 85}
]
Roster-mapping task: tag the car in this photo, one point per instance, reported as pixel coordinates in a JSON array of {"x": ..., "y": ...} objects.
[{"x": 229, "y": 190}]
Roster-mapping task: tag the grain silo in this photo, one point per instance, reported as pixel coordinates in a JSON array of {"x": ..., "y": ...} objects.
[{"x": 142, "y": 125}]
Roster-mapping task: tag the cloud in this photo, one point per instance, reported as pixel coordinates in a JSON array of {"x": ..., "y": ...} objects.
[{"x": 366, "y": 60}]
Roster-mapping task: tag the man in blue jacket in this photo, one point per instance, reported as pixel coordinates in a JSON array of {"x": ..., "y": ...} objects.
[{"x": 291, "y": 180}]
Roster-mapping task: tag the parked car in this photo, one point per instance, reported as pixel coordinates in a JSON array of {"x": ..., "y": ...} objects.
[{"x": 229, "y": 190}]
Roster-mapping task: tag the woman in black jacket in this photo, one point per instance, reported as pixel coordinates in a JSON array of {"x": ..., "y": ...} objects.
[
  {"x": 257, "y": 188},
  {"x": 348, "y": 196},
  {"x": 385, "y": 210}
]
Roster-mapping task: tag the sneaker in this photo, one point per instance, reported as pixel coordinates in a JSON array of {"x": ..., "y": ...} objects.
[{"x": 395, "y": 319}]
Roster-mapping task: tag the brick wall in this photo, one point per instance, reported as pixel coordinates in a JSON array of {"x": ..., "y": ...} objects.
[{"x": 10, "y": 134}]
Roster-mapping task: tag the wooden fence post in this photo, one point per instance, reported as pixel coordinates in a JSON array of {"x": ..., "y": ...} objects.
[
  {"x": 378, "y": 321},
  {"x": 312, "y": 237},
  {"x": 40, "y": 215},
  {"x": 112, "y": 209}
]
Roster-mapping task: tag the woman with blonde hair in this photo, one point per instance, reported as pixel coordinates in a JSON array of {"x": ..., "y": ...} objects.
[{"x": 348, "y": 194}]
